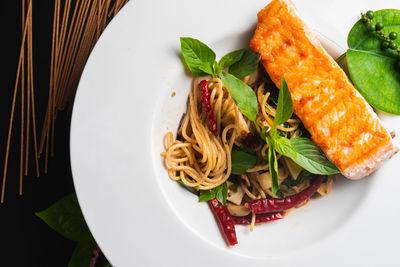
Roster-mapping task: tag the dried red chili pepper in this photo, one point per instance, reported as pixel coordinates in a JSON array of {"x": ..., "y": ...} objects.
[
  {"x": 225, "y": 220},
  {"x": 260, "y": 218},
  {"x": 267, "y": 205},
  {"x": 205, "y": 99}
]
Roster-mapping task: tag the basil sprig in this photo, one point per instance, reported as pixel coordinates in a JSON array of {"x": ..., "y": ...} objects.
[
  {"x": 219, "y": 192},
  {"x": 301, "y": 150},
  {"x": 200, "y": 60}
]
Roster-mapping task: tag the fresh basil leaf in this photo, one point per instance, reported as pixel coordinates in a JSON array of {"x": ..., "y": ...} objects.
[
  {"x": 66, "y": 218},
  {"x": 284, "y": 110},
  {"x": 206, "y": 195},
  {"x": 231, "y": 58},
  {"x": 311, "y": 158},
  {"x": 284, "y": 147},
  {"x": 199, "y": 58},
  {"x": 242, "y": 161},
  {"x": 243, "y": 95},
  {"x": 82, "y": 254},
  {"x": 222, "y": 193},
  {"x": 373, "y": 70},
  {"x": 246, "y": 65},
  {"x": 273, "y": 166}
]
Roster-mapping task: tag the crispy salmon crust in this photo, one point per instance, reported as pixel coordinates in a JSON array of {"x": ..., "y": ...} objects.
[{"x": 338, "y": 118}]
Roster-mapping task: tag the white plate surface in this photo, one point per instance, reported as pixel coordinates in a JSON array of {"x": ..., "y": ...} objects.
[{"x": 124, "y": 107}]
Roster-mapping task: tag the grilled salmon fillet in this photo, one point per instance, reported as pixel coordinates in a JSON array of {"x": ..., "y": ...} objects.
[{"x": 338, "y": 118}]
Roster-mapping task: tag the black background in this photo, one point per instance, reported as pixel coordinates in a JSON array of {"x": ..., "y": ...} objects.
[{"x": 24, "y": 239}]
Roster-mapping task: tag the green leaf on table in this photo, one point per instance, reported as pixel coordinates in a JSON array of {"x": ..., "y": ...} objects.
[
  {"x": 220, "y": 193},
  {"x": 242, "y": 94},
  {"x": 230, "y": 58},
  {"x": 311, "y": 158},
  {"x": 199, "y": 58},
  {"x": 242, "y": 161},
  {"x": 66, "y": 218},
  {"x": 284, "y": 109},
  {"x": 247, "y": 65},
  {"x": 273, "y": 166},
  {"x": 372, "y": 69}
]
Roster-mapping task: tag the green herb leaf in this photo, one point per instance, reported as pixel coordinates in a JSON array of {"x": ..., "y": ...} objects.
[
  {"x": 243, "y": 95},
  {"x": 284, "y": 147},
  {"x": 246, "y": 65},
  {"x": 219, "y": 192},
  {"x": 222, "y": 193},
  {"x": 242, "y": 161},
  {"x": 206, "y": 195},
  {"x": 66, "y": 218},
  {"x": 231, "y": 58},
  {"x": 199, "y": 58},
  {"x": 373, "y": 70},
  {"x": 284, "y": 110},
  {"x": 311, "y": 158},
  {"x": 273, "y": 166}
]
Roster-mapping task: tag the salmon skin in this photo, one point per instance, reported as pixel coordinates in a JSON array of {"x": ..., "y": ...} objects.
[{"x": 338, "y": 118}]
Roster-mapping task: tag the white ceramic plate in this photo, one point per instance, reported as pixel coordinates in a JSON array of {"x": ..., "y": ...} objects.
[{"x": 124, "y": 107}]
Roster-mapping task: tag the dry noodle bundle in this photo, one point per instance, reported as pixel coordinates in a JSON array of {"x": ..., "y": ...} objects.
[{"x": 77, "y": 25}]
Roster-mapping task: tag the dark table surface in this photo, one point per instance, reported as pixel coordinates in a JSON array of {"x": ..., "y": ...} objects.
[{"x": 25, "y": 239}]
